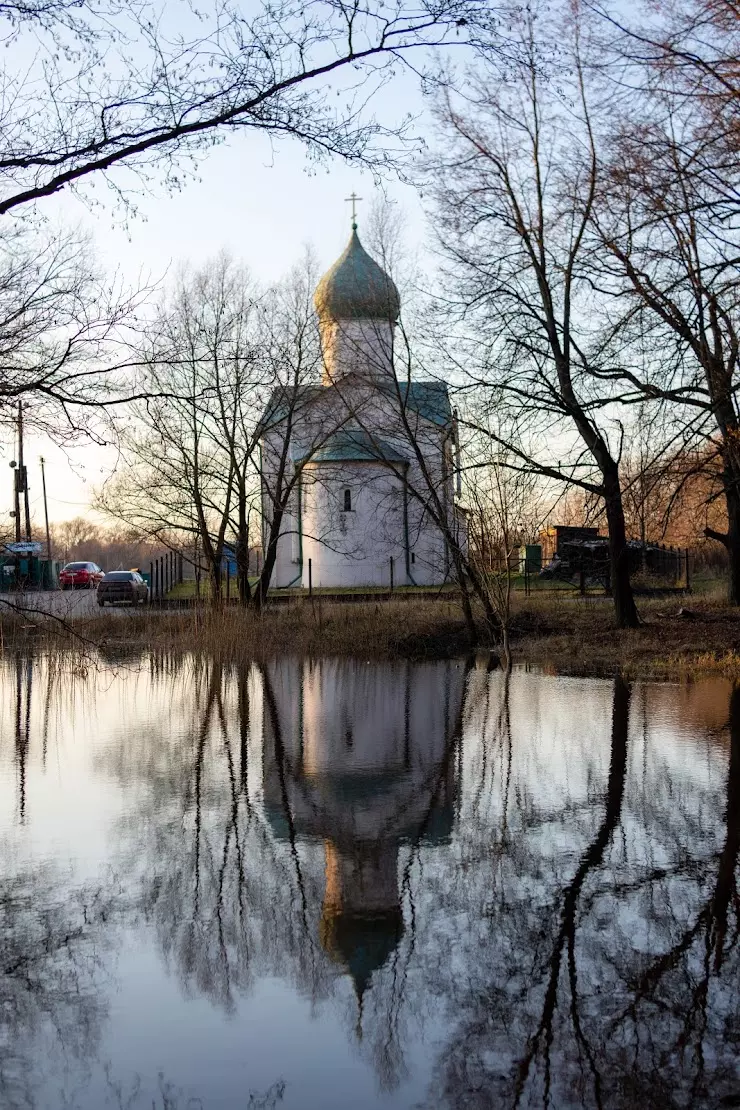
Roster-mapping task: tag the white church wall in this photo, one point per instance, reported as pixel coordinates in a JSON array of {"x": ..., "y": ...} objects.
[
  {"x": 355, "y": 549},
  {"x": 352, "y": 547},
  {"x": 362, "y": 347}
]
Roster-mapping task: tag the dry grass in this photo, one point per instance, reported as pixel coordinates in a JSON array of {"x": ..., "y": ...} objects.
[
  {"x": 387, "y": 629},
  {"x": 580, "y": 637},
  {"x": 566, "y": 635}
]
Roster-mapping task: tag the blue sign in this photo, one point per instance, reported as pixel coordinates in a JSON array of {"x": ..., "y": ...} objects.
[{"x": 27, "y": 548}]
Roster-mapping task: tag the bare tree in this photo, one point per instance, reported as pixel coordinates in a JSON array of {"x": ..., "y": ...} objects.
[
  {"x": 62, "y": 324},
  {"x": 505, "y": 511},
  {"x": 291, "y": 427},
  {"x": 210, "y": 452},
  {"x": 150, "y": 88},
  {"x": 515, "y": 176},
  {"x": 666, "y": 234},
  {"x": 180, "y": 450}
]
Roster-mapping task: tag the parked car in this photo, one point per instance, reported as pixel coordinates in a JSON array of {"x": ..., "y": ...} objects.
[
  {"x": 80, "y": 576},
  {"x": 123, "y": 585}
]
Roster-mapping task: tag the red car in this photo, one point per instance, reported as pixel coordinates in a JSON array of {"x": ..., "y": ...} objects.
[{"x": 80, "y": 576}]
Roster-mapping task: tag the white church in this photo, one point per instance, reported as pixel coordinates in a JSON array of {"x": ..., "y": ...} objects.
[{"x": 369, "y": 457}]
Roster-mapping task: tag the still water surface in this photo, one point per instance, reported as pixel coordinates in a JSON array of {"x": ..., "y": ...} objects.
[{"x": 338, "y": 884}]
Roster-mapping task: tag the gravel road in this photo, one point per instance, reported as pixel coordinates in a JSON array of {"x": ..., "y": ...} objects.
[{"x": 66, "y": 604}]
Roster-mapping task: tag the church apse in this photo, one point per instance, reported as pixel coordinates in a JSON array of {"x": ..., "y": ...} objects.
[{"x": 364, "y": 763}]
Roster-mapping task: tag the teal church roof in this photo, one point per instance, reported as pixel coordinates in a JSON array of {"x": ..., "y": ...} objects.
[
  {"x": 430, "y": 400},
  {"x": 356, "y": 288},
  {"x": 355, "y": 445}
]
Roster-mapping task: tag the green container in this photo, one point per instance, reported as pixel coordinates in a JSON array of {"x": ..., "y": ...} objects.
[{"x": 531, "y": 554}]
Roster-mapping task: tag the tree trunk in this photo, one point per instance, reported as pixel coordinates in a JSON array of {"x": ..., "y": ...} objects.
[
  {"x": 625, "y": 610},
  {"x": 725, "y": 889},
  {"x": 731, "y": 538},
  {"x": 467, "y": 611},
  {"x": 260, "y": 590},
  {"x": 215, "y": 575},
  {"x": 492, "y": 620},
  {"x": 732, "y": 543},
  {"x": 242, "y": 549},
  {"x": 720, "y": 382}
]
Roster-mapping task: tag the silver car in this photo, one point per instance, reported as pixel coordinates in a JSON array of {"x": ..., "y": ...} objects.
[{"x": 123, "y": 585}]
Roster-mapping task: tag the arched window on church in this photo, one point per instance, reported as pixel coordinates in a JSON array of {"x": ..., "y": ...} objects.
[{"x": 348, "y": 501}]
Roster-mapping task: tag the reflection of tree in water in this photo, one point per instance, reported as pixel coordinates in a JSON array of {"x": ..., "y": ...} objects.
[
  {"x": 197, "y": 841},
  {"x": 363, "y": 760},
  {"x": 578, "y": 943},
  {"x": 304, "y": 885},
  {"x": 50, "y": 970},
  {"x": 221, "y": 897},
  {"x": 616, "y": 986},
  {"x": 129, "y": 1096},
  {"x": 51, "y": 930}
]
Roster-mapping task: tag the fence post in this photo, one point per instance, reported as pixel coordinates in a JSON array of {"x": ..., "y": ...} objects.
[
  {"x": 688, "y": 573},
  {"x": 228, "y": 579},
  {"x": 179, "y": 567},
  {"x": 310, "y": 579}
]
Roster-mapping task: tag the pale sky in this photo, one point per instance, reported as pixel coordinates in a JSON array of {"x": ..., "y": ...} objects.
[{"x": 262, "y": 204}]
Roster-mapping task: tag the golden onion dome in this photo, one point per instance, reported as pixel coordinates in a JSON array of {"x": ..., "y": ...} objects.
[{"x": 356, "y": 288}]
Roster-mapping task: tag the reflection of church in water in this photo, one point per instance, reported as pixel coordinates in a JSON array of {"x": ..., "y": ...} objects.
[{"x": 364, "y": 759}]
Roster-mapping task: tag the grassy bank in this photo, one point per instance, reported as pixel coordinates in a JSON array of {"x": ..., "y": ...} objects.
[
  {"x": 401, "y": 629},
  {"x": 571, "y": 635},
  {"x": 580, "y": 637}
]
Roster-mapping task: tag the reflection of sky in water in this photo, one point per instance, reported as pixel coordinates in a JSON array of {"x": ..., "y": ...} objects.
[{"x": 339, "y": 883}]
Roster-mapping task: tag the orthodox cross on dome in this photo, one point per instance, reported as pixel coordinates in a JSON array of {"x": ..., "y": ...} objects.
[{"x": 353, "y": 201}]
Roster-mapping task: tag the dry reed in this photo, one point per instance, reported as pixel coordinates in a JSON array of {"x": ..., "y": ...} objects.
[
  {"x": 386, "y": 629},
  {"x": 566, "y": 635}
]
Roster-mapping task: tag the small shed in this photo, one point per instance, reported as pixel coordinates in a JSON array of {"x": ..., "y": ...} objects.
[{"x": 552, "y": 539}]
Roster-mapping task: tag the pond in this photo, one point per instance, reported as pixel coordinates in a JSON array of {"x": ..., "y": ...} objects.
[{"x": 337, "y": 883}]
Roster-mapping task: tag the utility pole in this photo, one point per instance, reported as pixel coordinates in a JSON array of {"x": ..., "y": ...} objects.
[
  {"x": 16, "y": 501},
  {"x": 22, "y": 479},
  {"x": 46, "y": 510}
]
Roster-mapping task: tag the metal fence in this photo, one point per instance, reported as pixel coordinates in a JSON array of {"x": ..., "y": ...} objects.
[
  {"x": 165, "y": 573},
  {"x": 585, "y": 569}
]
